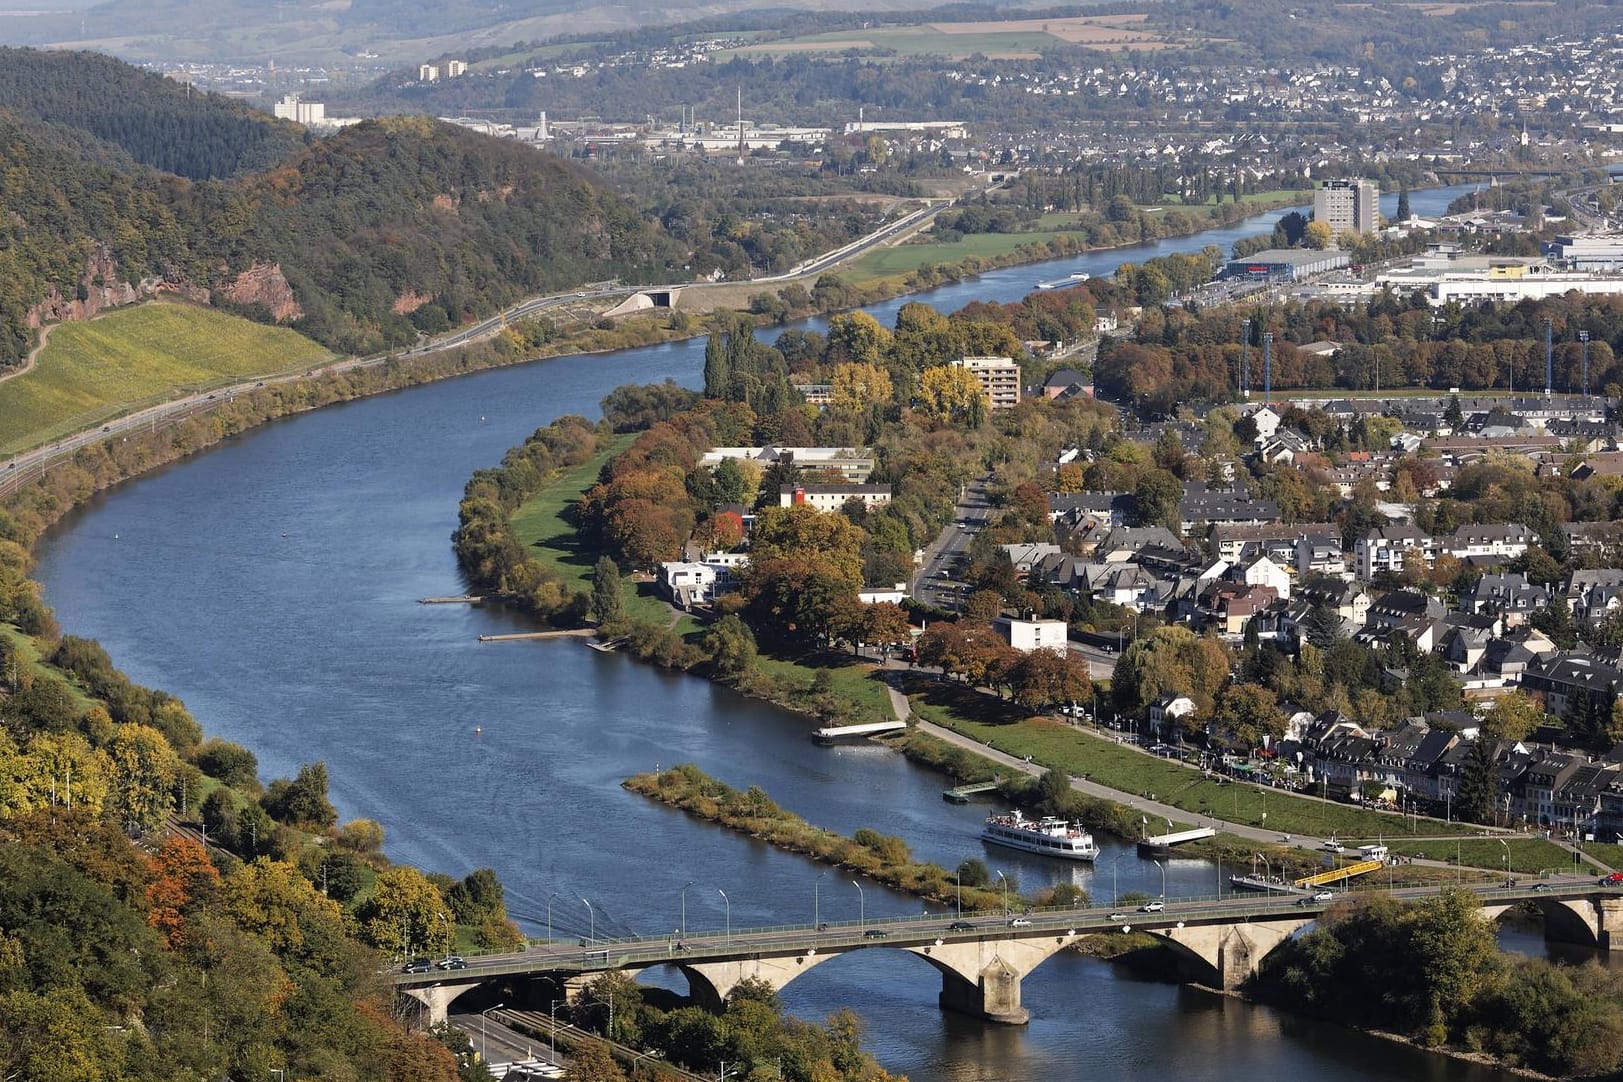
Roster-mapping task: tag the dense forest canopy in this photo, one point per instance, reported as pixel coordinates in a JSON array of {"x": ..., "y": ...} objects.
[
  {"x": 155, "y": 121},
  {"x": 386, "y": 229}
]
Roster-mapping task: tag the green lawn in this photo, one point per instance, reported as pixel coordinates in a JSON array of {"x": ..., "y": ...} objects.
[
  {"x": 1528, "y": 856},
  {"x": 28, "y": 649},
  {"x": 905, "y": 258},
  {"x": 852, "y": 677},
  {"x": 89, "y": 373},
  {"x": 544, "y": 525},
  {"x": 1006, "y": 728}
]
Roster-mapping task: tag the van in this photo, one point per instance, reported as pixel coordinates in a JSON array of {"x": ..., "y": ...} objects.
[{"x": 1373, "y": 852}]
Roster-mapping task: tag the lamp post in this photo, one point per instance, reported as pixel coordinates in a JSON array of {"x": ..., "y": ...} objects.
[
  {"x": 1003, "y": 882},
  {"x": 817, "y": 900},
  {"x": 684, "y": 893},
  {"x": 728, "y": 903},
  {"x": 550, "y": 897},
  {"x": 591, "y": 922},
  {"x": 1114, "y": 894},
  {"x": 483, "y": 1049},
  {"x": 1507, "y": 859},
  {"x": 862, "y": 905},
  {"x": 1163, "y": 868},
  {"x": 958, "y": 890},
  {"x": 552, "y": 1032}
]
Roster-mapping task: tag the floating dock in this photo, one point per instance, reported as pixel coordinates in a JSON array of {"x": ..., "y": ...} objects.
[
  {"x": 831, "y": 734},
  {"x": 962, "y": 793},
  {"x": 519, "y": 636},
  {"x": 1161, "y": 844}
]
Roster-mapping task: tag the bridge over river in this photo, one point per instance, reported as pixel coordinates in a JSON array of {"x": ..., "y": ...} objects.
[{"x": 983, "y": 959}]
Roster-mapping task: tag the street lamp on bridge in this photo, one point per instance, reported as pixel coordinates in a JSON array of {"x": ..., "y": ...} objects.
[
  {"x": 862, "y": 905},
  {"x": 591, "y": 922},
  {"x": 1003, "y": 881},
  {"x": 684, "y": 892},
  {"x": 728, "y": 903}
]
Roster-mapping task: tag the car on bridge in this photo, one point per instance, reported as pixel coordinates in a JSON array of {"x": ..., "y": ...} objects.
[
  {"x": 451, "y": 961},
  {"x": 960, "y": 926},
  {"x": 1613, "y": 880},
  {"x": 875, "y": 933},
  {"x": 418, "y": 965},
  {"x": 1152, "y": 907},
  {"x": 1020, "y": 922}
]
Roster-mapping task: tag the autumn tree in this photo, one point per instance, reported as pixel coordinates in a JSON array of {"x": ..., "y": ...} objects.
[
  {"x": 1045, "y": 677},
  {"x": 144, "y": 768},
  {"x": 406, "y": 915},
  {"x": 949, "y": 392},
  {"x": 1514, "y": 716},
  {"x": 856, "y": 386},
  {"x": 182, "y": 877},
  {"x": 1249, "y": 714}
]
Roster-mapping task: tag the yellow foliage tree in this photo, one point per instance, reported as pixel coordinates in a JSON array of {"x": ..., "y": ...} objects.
[
  {"x": 947, "y": 391},
  {"x": 858, "y": 386}
]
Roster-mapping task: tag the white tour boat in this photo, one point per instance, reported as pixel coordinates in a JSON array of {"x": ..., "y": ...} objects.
[{"x": 1049, "y": 835}]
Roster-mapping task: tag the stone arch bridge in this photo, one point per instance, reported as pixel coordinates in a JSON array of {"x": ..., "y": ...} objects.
[{"x": 983, "y": 960}]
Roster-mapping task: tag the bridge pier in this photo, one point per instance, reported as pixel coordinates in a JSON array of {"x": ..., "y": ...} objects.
[
  {"x": 994, "y": 996},
  {"x": 1224, "y": 955},
  {"x": 434, "y": 1003},
  {"x": 709, "y": 983}
]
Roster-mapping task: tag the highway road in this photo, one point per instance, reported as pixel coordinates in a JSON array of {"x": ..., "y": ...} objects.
[{"x": 936, "y": 583}]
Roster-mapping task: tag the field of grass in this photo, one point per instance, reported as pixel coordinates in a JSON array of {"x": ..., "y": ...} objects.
[
  {"x": 1528, "y": 856},
  {"x": 89, "y": 373},
  {"x": 905, "y": 258},
  {"x": 544, "y": 525},
  {"x": 1052, "y": 743},
  {"x": 853, "y": 679}
]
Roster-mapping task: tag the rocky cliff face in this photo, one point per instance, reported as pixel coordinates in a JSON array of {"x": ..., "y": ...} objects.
[
  {"x": 100, "y": 288},
  {"x": 264, "y": 284}
]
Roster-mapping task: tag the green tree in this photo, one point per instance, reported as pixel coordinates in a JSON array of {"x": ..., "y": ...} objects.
[
  {"x": 730, "y": 645},
  {"x": 1478, "y": 796},
  {"x": 608, "y": 604},
  {"x": 302, "y": 801},
  {"x": 1155, "y": 500}
]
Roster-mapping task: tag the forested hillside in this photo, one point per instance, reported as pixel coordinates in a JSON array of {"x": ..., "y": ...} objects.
[
  {"x": 383, "y": 230},
  {"x": 155, "y": 121}
]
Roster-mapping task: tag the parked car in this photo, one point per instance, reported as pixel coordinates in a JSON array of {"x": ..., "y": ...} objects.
[{"x": 1152, "y": 907}]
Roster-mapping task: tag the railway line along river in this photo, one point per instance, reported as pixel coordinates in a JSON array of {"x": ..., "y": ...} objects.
[{"x": 272, "y": 582}]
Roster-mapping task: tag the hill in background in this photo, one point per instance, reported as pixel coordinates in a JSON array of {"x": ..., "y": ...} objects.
[{"x": 360, "y": 240}]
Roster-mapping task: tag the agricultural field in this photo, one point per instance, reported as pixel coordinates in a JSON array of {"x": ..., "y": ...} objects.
[
  {"x": 89, "y": 373},
  {"x": 1016, "y": 39}
]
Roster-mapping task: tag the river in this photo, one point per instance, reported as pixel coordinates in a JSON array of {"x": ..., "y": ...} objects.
[{"x": 272, "y": 583}]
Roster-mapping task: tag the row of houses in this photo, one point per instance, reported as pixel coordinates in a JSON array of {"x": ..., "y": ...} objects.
[{"x": 1422, "y": 761}]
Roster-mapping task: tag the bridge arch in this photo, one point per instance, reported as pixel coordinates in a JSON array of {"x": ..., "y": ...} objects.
[{"x": 1225, "y": 955}]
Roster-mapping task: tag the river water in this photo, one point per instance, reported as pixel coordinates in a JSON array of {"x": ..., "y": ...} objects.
[{"x": 272, "y": 583}]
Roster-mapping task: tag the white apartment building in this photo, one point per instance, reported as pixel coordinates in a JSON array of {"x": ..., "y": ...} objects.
[{"x": 1000, "y": 377}]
